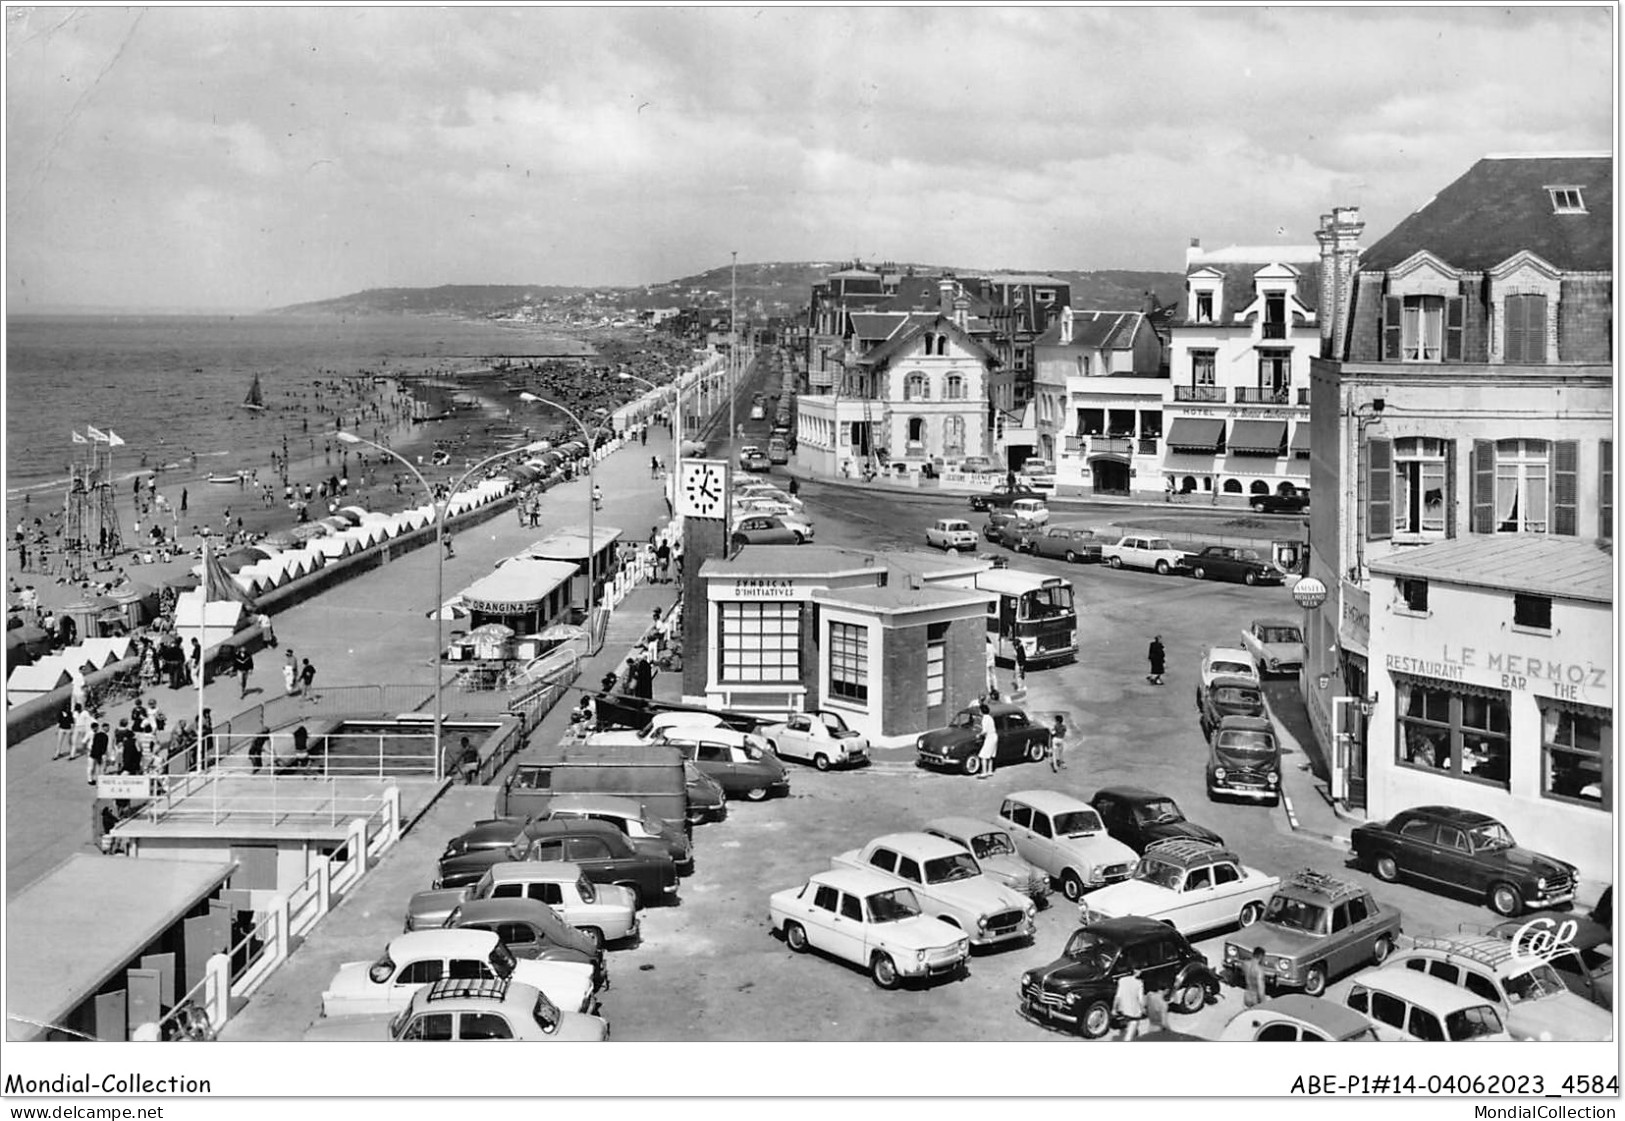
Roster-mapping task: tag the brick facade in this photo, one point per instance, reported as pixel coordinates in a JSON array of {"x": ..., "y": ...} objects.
[{"x": 1585, "y": 320}]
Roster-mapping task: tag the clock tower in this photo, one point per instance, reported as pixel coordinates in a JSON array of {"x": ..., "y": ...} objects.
[{"x": 703, "y": 496}]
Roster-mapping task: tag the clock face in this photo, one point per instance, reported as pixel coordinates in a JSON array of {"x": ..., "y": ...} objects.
[{"x": 704, "y": 489}]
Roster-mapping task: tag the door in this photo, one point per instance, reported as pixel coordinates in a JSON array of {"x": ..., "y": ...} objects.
[
  {"x": 1046, "y": 853},
  {"x": 1018, "y": 819},
  {"x": 1110, "y": 476},
  {"x": 820, "y": 919},
  {"x": 1454, "y": 859},
  {"x": 111, "y": 1018},
  {"x": 1196, "y": 903},
  {"x": 203, "y": 937}
]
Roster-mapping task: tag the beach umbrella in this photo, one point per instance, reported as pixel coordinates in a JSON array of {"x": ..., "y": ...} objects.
[
  {"x": 183, "y": 581},
  {"x": 282, "y": 540},
  {"x": 31, "y": 639},
  {"x": 491, "y": 631}
]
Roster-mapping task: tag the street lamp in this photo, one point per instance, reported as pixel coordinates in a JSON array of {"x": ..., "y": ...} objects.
[
  {"x": 592, "y": 504},
  {"x": 676, "y": 449}
]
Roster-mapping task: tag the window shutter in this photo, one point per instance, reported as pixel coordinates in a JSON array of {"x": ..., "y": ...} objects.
[
  {"x": 1534, "y": 330},
  {"x": 1482, "y": 496},
  {"x": 1454, "y": 321},
  {"x": 1392, "y": 314},
  {"x": 1605, "y": 491},
  {"x": 1512, "y": 330},
  {"x": 1449, "y": 488},
  {"x": 1566, "y": 488},
  {"x": 1379, "y": 502}
]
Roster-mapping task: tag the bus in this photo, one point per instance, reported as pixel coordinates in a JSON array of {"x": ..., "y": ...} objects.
[{"x": 1032, "y": 609}]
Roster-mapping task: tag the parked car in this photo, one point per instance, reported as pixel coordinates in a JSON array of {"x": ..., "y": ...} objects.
[
  {"x": 1465, "y": 851},
  {"x": 1005, "y": 529},
  {"x": 1139, "y": 817},
  {"x": 467, "y": 1009},
  {"x": 871, "y": 921},
  {"x": 1315, "y": 929},
  {"x": 1075, "y": 544},
  {"x": 1066, "y": 839},
  {"x": 1578, "y": 947},
  {"x": 947, "y": 882},
  {"x": 748, "y": 504},
  {"x": 411, "y": 961},
  {"x": 738, "y": 761},
  {"x": 770, "y": 529},
  {"x": 1225, "y": 661},
  {"x": 1228, "y": 696},
  {"x": 658, "y": 728},
  {"x": 628, "y": 817},
  {"x": 1225, "y": 562},
  {"x": 602, "y": 912},
  {"x": 1194, "y": 886},
  {"x": 995, "y": 850},
  {"x": 605, "y": 855},
  {"x": 758, "y": 460},
  {"x": 1244, "y": 760},
  {"x": 748, "y": 450},
  {"x": 1077, "y": 989},
  {"x": 1139, "y": 551},
  {"x": 956, "y": 745},
  {"x": 1033, "y": 511},
  {"x": 1295, "y": 503},
  {"x": 1531, "y": 997},
  {"x": 1424, "y": 1008},
  {"x": 760, "y": 489},
  {"x": 467, "y": 867},
  {"x": 976, "y": 465},
  {"x": 1003, "y": 494},
  {"x": 951, "y": 534},
  {"x": 1295, "y": 1018},
  {"x": 1038, "y": 474},
  {"x": 778, "y": 450},
  {"x": 820, "y": 738},
  {"x": 532, "y": 931},
  {"x": 1275, "y": 644},
  {"x": 706, "y": 799}
]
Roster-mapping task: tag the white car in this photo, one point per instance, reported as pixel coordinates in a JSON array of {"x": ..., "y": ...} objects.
[
  {"x": 747, "y": 451},
  {"x": 1295, "y": 1018},
  {"x": 746, "y": 505},
  {"x": 1225, "y": 661},
  {"x": 1030, "y": 511},
  {"x": 410, "y": 961},
  {"x": 995, "y": 851},
  {"x": 761, "y": 490},
  {"x": 1275, "y": 644},
  {"x": 951, "y": 534},
  {"x": 947, "y": 882},
  {"x": 603, "y": 912},
  {"x": 1066, "y": 838},
  {"x": 820, "y": 738},
  {"x": 1139, "y": 551},
  {"x": 655, "y": 731},
  {"x": 1194, "y": 886},
  {"x": 871, "y": 921}
]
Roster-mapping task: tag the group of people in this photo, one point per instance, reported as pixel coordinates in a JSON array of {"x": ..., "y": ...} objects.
[
  {"x": 141, "y": 743},
  {"x": 298, "y": 677}
]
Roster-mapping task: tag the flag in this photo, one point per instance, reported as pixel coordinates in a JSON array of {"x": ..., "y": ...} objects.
[
  {"x": 112, "y": 439},
  {"x": 96, "y": 434},
  {"x": 78, "y": 439},
  {"x": 218, "y": 584}
]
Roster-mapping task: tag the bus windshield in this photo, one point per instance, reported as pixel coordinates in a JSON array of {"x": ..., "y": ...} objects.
[{"x": 1049, "y": 602}]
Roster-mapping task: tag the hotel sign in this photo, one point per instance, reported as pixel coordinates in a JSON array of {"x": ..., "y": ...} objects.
[{"x": 1547, "y": 677}]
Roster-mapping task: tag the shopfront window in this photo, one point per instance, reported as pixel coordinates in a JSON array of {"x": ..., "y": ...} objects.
[
  {"x": 1576, "y": 754},
  {"x": 760, "y": 643},
  {"x": 849, "y": 661},
  {"x": 1464, "y": 734}
]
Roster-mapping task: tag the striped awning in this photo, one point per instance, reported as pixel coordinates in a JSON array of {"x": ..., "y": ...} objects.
[
  {"x": 1258, "y": 437},
  {"x": 1300, "y": 437},
  {"x": 1196, "y": 434}
]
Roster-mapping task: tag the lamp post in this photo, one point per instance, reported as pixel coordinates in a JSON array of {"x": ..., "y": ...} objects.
[
  {"x": 676, "y": 448},
  {"x": 592, "y": 503}
]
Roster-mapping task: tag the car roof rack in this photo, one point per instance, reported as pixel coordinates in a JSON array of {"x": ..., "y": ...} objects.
[
  {"x": 1482, "y": 948},
  {"x": 463, "y": 988},
  {"x": 1188, "y": 848},
  {"x": 1321, "y": 884}
]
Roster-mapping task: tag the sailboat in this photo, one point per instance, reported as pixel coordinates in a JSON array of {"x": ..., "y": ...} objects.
[{"x": 256, "y": 398}]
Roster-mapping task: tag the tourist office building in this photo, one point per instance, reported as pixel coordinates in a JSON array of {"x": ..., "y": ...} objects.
[{"x": 1462, "y": 417}]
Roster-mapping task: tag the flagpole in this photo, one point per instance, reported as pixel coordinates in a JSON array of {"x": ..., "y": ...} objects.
[{"x": 203, "y": 617}]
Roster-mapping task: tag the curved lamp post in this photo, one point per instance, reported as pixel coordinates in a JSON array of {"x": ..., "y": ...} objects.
[
  {"x": 440, "y": 512},
  {"x": 592, "y": 503}
]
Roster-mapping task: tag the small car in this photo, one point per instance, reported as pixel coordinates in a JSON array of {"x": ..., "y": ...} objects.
[
  {"x": 706, "y": 799},
  {"x": 481, "y": 1009},
  {"x": 976, "y": 465},
  {"x": 951, "y": 534},
  {"x": 1528, "y": 993},
  {"x": 1139, "y": 817},
  {"x": 735, "y": 760},
  {"x": 770, "y": 529},
  {"x": 1315, "y": 928},
  {"x": 748, "y": 450},
  {"x": 956, "y": 745},
  {"x": 760, "y": 490},
  {"x": 1065, "y": 838},
  {"x": 871, "y": 921},
  {"x": 757, "y": 460},
  {"x": 628, "y": 816},
  {"x": 995, "y": 850},
  {"x": 1579, "y": 947},
  {"x": 602, "y": 913},
  {"x": 1005, "y": 529},
  {"x": 1244, "y": 760},
  {"x": 532, "y": 931},
  {"x": 1228, "y": 696},
  {"x": 1295, "y": 503},
  {"x": 1466, "y": 851},
  {"x": 1077, "y": 989},
  {"x": 1275, "y": 644},
  {"x": 411, "y": 961},
  {"x": 820, "y": 738},
  {"x": 1424, "y": 1008},
  {"x": 1139, "y": 551},
  {"x": 947, "y": 882},
  {"x": 1003, "y": 495},
  {"x": 1295, "y": 1018},
  {"x": 1033, "y": 511},
  {"x": 1225, "y": 661},
  {"x": 1074, "y": 544},
  {"x": 1224, "y": 562},
  {"x": 1194, "y": 886},
  {"x": 605, "y": 855}
]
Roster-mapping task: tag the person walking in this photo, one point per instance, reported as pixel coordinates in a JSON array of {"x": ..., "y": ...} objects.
[
  {"x": 256, "y": 750},
  {"x": 986, "y": 757},
  {"x": 1254, "y": 978},
  {"x": 290, "y": 675},
  {"x": 663, "y": 561},
  {"x": 1157, "y": 657},
  {"x": 597, "y": 497},
  {"x": 468, "y": 761},
  {"x": 654, "y": 467},
  {"x": 1021, "y": 669},
  {"x": 1057, "y": 743},
  {"x": 81, "y": 732},
  {"x": 98, "y": 752},
  {"x": 243, "y": 662},
  {"x": 266, "y": 633},
  {"x": 307, "y": 676},
  {"x": 129, "y": 753},
  {"x": 195, "y": 663},
  {"x": 64, "y": 732},
  {"x": 1128, "y": 1005}
]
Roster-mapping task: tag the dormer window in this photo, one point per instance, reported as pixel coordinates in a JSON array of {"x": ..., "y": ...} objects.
[
  {"x": 1204, "y": 307},
  {"x": 1567, "y": 200}
]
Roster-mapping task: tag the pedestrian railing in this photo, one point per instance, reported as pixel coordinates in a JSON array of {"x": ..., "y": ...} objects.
[{"x": 218, "y": 797}]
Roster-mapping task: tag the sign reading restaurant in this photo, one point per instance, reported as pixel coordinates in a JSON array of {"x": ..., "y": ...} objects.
[{"x": 1545, "y": 676}]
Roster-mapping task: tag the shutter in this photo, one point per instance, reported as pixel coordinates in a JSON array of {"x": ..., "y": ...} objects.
[
  {"x": 1454, "y": 321},
  {"x": 1392, "y": 314},
  {"x": 1534, "y": 330},
  {"x": 1449, "y": 488},
  {"x": 1379, "y": 503},
  {"x": 1512, "y": 330},
  {"x": 1482, "y": 496},
  {"x": 1605, "y": 491},
  {"x": 1566, "y": 488}
]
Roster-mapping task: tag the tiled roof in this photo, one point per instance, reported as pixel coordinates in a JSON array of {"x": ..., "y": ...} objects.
[
  {"x": 1501, "y": 206},
  {"x": 924, "y": 293},
  {"x": 1096, "y": 330},
  {"x": 901, "y": 341},
  {"x": 873, "y": 326},
  {"x": 1561, "y": 567},
  {"x": 1239, "y": 289}
]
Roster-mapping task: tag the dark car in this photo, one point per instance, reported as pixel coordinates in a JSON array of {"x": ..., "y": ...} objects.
[
  {"x": 706, "y": 799},
  {"x": 1466, "y": 851},
  {"x": 1138, "y": 817},
  {"x": 1076, "y": 989},
  {"x": 606, "y": 856},
  {"x": 1294, "y": 503},
  {"x": 1004, "y": 528},
  {"x": 1222, "y": 562},
  {"x": 532, "y": 930},
  {"x": 1003, "y": 495},
  {"x": 739, "y": 762},
  {"x": 956, "y": 746},
  {"x": 1229, "y": 696},
  {"x": 1074, "y": 544},
  {"x": 465, "y": 867},
  {"x": 1244, "y": 760}
]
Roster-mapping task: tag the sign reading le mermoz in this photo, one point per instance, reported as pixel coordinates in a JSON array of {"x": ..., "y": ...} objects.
[{"x": 1546, "y": 676}]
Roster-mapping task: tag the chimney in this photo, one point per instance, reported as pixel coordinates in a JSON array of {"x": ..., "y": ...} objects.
[
  {"x": 1066, "y": 326},
  {"x": 1339, "y": 238},
  {"x": 945, "y": 295},
  {"x": 1194, "y": 252},
  {"x": 962, "y": 313}
]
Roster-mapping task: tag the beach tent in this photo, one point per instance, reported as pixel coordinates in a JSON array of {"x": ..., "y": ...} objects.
[
  {"x": 335, "y": 524},
  {"x": 332, "y": 548},
  {"x": 285, "y": 539},
  {"x": 27, "y": 682},
  {"x": 359, "y": 513},
  {"x": 101, "y": 652},
  {"x": 346, "y": 514},
  {"x": 210, "y": 623}
]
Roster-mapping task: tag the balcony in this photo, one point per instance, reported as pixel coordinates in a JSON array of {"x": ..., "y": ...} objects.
[
  {"x": 1111, "y": 445},
  {"x": 1274, "y": 330},
  {"x": 1265, "y": 395},
  {"x": 1148, "y": 444},
  {"x": 1214, "y": 394}
]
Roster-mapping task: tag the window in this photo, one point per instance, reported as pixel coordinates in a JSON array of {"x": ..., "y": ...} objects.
[
  {"x": 908, "y": 869},
  {"x": 1259, "y": 486},
  {"x": 1041, "y": 825},
  {"x": 1091, "y": 422},
  {"x": 1225, "y": 874},
  {"x": 1200, "y": 879},
  {"x": 1044, "y": 295},
  {"x": 1019, "y": 815},
  {"x": 1203, "y": 367},
  {"x": 420, "y": 973},
  {"x": 936, "y": 664},
  {"x": 1413, "y": 593},
  {"x": 849, "y": 661},
  {"x": 1567, "y": 200},
  {"x": 1462, "y": 734},
  {"x": 1521, "y": 486},
  {"x": 953, "y": 437},
  {"x": 1481, "y": 986},
  {"x": 1422, "y": 329},
  {"x": 1532, "y": 611},
  {"x": 1576, "y": 754},
  {"x": 884, "y": 859},
  {"x": 954, "y": 387},
  {"x": 1275, "y": 373},
  {"x": 1525, "y": 486},
  {"x": 1524, "y": 330},
  {"x": 1275, "y": 315},
  {"x": 851, "y": 907},
  {"x": 1425, "y": 1025},
  {"x": 432, "y": 1027},
  {"x": 1278, "y": 1033},
  {"x": 916, "y": 387},
  {"x": 1390, "y": 1010},
  {"x": 1422, "y": 470},
  {"x": 1340, "y": 917},
  {"x": 484, "y": 1025},
  {"x": 826, "y": 898},
  {"x": 1204, "y": 307},
  {"x": 1605, "y": 490},
  {"x": 1357, "y": 910},
  {"x": 1232, "y": 486},
  {"x": 760, "y": 642}
]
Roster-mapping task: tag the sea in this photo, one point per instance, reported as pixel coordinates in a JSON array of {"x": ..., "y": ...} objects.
[{"x": 173, "y": 386}]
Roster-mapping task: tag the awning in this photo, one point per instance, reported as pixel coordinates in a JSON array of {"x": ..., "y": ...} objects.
[
  {"x": 518, "y": 587},
  {"x": 1258, "y": 437},
  {"x": 1300, "y": 437},
  {"x": 1196, "y": 434}
]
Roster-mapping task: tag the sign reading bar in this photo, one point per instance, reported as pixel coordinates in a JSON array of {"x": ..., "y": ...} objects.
[{"x": 124, "y": 786}]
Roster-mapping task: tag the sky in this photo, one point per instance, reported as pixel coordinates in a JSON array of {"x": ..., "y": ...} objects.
[{"x": 245, "y": 158}]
